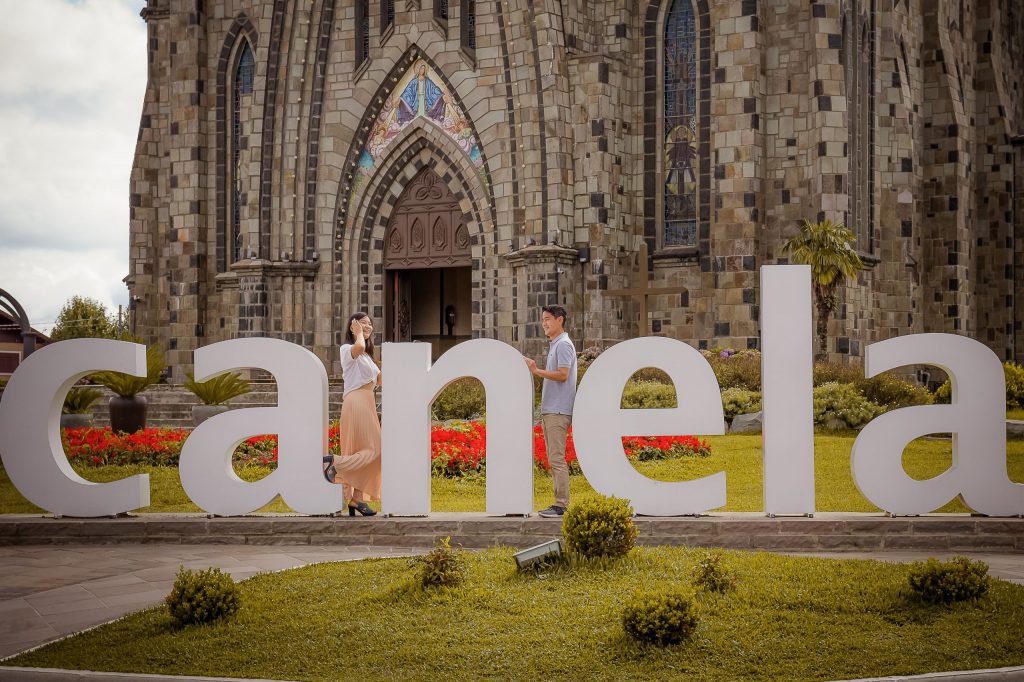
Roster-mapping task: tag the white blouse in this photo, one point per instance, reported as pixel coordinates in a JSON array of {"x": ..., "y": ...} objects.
[{"x": 356, "y": 372}]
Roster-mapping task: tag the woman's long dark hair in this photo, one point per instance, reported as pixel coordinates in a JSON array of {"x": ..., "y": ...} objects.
[{"x": 349, "y": 338}]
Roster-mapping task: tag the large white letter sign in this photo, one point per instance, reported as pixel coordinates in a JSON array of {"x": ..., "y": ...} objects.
[
  {"x": 408, "y": 393},
  {"x": 599, "y": 424},
  {"x": 975, "y": 418},
  {"x": 787, "y": 384},
  {"x": 30, "y": 445},
  {"x": 299, "y": 420}
]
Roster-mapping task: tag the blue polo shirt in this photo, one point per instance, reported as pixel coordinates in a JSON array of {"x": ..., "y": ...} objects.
[{"x": 557, "y": 397}]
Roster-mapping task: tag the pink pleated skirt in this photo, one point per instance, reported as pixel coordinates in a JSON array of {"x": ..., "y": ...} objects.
[{"x": 359, "y": 463}]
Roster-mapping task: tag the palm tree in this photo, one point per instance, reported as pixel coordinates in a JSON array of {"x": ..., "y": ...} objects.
[{"x": 826, "y": 247}]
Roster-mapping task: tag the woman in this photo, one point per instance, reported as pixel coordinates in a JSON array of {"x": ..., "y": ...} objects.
[{"x": 358, "y": 467}]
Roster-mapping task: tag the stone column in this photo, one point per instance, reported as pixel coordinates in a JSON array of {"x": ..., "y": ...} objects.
[
  {"x": 737, "y": 144},
  {"x": 188, "y": 149}
]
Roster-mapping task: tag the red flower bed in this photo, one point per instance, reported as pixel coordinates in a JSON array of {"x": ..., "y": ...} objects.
[{"x": 454, "y": 451}]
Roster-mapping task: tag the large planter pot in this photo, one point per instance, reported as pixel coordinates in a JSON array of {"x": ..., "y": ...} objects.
[
  {"x": 127, "y": 414},
  {"x": 75, "y": 421},
  {"x": 201, "y": 413}
]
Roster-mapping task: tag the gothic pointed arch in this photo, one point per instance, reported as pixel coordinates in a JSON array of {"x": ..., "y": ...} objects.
[
  {"x": 677, "y": 124},
  {"x": 361, "y": 243},
  {"x": 239, "y": 45},
  {"x": 416, "y": 89}
]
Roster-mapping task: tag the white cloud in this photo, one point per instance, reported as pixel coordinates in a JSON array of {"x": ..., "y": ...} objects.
[{"x": 72, "y": 81}]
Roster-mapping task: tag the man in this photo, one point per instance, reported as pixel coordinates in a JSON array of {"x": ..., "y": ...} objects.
[{"x": 557, "y": 397}]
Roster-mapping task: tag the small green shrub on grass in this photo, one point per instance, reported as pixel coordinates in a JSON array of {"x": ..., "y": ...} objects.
[
  {"x": 712, "y": 575},
  {"x": 442, "y": 565},
  {"x": 938, "y": 582},
  {"x": 660, "y": 618},
  {"x": 202, "y": 597},
  {"x": 600, "y": 527},
  {"x": 462, "y": 399},
  {"x": 740, "y": 401},
  {"x": 648, "y": 395},
  {"x": 842, "y": 404}
]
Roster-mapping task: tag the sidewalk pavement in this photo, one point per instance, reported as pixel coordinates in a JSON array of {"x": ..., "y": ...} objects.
[{"x": 48, "y": 592}]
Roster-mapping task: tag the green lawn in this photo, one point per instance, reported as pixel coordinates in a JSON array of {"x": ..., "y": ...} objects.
[
  {"x": 739, "y": 456},
  {"x": 790, "y": 618}
]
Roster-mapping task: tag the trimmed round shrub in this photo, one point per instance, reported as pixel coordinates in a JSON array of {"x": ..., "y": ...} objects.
[
  {"x": 462, "y": 399},
  {"x": 648, "y": 394},
  {"x": 202, "y": 597},
  {"x": 938, "y": 582},
  {"x": 711, "y": 575},
  {"x": 740, "y": 401},
  {"x": 660, "y": 618},
  {"x": 599, "y": 527},
  {"x": 843, "y": 404},
  {"x": 442, "y": 565}
]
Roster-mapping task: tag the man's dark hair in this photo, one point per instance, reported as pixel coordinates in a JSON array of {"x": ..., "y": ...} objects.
[{"x": 556, "y": 311}]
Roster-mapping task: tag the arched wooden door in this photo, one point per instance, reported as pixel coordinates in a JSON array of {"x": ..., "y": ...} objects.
[{"x": 427, "y": 266}]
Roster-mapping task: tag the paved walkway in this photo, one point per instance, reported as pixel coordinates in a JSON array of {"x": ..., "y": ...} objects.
[{"x": 47, "y": 592}]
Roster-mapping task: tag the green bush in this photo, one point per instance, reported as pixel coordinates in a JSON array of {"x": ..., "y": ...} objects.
[
  {"x": 660, "y": 618},
  {"x": 1013, "y": 374},
  {"x": 462, "y": 399},
  {"x": 711, "y": 575},
  {"x": 735, "y": 369},
  {"x": 652, "y": 374},
  {"x": 599, "y": 527},
  {"x": 219, "y": 389},
  {"x": 202, "y": 597},
  {"x": 740, "y": 401},
  {"x": 891, "y": 392},
  {"x": 80, "y": 399},
  {"x": 832, "y": 373},
  {"x": 937, "y": 582},
  {"x": 648, "y": 394},
  {"x": 845, "y": 404},
  {"x": 442, "y": 565}
]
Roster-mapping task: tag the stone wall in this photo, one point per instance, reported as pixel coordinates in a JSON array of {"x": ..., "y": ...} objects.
[{"x": 566, "y": 102}]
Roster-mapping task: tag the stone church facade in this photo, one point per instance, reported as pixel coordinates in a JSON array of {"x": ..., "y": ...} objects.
[{"x": 449, "y": 166}]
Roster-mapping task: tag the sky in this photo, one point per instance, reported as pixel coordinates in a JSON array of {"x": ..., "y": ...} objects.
[{"x": 72, "y": 81}]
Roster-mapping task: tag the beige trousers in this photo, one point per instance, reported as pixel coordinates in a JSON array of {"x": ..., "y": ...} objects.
[{"x": 556, "y": 431}]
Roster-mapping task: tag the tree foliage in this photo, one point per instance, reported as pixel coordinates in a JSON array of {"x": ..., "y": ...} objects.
[
  {"x": 84, "y": 318},
  {"x": 827, "y": 248}
]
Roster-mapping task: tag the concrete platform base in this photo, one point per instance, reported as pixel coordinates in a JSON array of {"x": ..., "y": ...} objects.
[{"x": 824, "y": 532}]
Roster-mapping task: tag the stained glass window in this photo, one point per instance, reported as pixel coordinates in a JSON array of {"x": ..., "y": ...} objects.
[
  {"x": 243, "y": 85},
  {"x": 681, "y": 161},
  {"x": 387, "y": 15},
  {"x": 441, "y": 9},
  {"x": 362, "y": 31},
  {"x": 469, "y": 24}
]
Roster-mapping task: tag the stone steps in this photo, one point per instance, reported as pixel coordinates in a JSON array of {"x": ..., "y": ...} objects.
[
  {"x": 170, "y": 406},
  {"x": 751, "y": 531}
]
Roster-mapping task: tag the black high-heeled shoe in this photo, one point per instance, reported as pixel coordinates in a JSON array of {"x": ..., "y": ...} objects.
[
  {"x": 362, "y": 508},
  {"x": 329, "y": 471}
]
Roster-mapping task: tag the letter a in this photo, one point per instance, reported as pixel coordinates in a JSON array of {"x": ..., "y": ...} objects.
[
  {"x": 975, "y": 417},
  {"x": 299, "y": 420}
]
